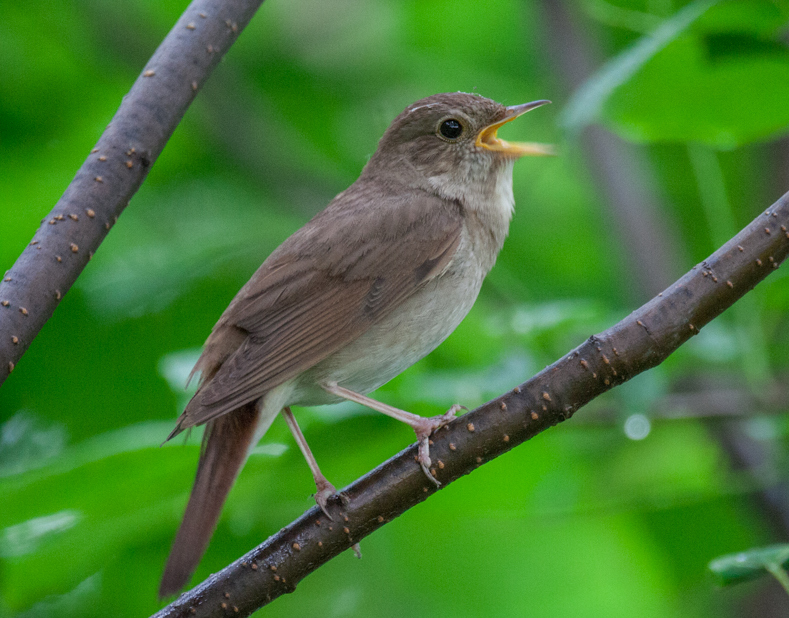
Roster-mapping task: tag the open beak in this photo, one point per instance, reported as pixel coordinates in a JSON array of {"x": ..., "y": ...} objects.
[{"x": 487, "y": 137}]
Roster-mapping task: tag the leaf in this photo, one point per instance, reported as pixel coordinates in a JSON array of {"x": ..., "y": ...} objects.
[
  {"x": 723, "y": 91},
  {"x": 724, "y": 83},
  {"x": 749, "y": 564},
  {"x": 589, "y": 99}
]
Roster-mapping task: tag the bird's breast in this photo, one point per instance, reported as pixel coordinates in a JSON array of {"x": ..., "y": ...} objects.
[{"x": 401, "y": 338}]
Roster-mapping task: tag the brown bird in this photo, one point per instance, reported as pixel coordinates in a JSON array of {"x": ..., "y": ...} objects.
[{"x": 365, "y": 289}]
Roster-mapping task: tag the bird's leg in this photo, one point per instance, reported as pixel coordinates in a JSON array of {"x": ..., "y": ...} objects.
[
  {"x": 325, "y": 489},
  {"x": 423, "y": 426}
]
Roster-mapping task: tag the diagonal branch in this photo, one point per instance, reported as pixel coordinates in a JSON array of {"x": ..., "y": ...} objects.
[
  {"x": 115, "y": 169},
  {"x": 639, "y": 342}
]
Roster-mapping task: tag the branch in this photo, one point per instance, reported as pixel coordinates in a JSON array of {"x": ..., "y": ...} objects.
[
  {"x": 639, "y": 342},
  {"x": 115, "y": 170}
]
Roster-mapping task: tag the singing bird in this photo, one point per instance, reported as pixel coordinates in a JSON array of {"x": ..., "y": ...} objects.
[{"x": 366, "y": 288}]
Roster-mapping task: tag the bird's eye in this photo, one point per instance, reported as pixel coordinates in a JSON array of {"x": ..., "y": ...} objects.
[{"x": 450, "y": 129}]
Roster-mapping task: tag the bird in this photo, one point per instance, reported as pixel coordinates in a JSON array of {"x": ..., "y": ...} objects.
[{"x": 362, "y": 291}]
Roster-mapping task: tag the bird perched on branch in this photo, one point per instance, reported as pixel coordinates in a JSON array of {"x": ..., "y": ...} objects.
[{"x": 365, "y": 289}]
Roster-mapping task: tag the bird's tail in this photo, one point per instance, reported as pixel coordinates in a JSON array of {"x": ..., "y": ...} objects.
[{"x": 226, "y": 444}]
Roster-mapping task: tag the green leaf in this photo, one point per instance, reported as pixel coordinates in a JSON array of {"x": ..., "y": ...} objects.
[
  {"x": 588, "y": 101},
  {"x": 724, "y": 91},
  {"x": 742, "y": 566},
  {"x": 723, "y": 83},
  {"x": 763, "y": 17}
]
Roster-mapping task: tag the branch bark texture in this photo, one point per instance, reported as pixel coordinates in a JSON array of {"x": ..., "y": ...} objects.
[
  {"x": 114, "y": 170},
  {"x": 639, "y": 342}
]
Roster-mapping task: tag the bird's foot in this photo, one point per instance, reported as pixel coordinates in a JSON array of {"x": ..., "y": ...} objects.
[
  {"x": 421, "y": 425},
  {"x": 424, "y": 428},
  {"x": 325, "y": 491}
]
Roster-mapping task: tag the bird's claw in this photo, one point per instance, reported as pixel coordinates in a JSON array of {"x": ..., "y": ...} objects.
[
  {"x": 325, "y": 491},
  {"x": 431, "y": 424},
  {"x": 423, "y": 457}
]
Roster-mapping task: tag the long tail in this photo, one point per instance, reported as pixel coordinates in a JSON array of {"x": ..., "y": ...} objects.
[{"x": 226, "y": 444}]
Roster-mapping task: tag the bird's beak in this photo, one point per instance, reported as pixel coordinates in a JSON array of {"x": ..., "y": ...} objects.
[{"x": 487, "y": 137}]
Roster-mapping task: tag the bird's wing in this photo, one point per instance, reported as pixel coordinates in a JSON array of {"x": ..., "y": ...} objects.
[{"x": 323, "y": 288}]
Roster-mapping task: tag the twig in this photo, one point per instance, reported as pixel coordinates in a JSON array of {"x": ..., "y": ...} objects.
[
  {"x": 115, "y": 169},
  {"x": 641, "y": 341}
]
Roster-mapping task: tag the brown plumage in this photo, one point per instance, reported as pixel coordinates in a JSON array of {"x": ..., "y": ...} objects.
[
  {"x": 322, "y": 288},
  {"x": 365, "y": 289},
  {"x": 225, "y": 444}
]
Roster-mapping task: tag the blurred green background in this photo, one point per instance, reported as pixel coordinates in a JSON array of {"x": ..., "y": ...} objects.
[{"x": 664, "y": 155}]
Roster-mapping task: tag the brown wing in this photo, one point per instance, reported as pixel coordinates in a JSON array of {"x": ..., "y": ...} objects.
[{"x": 322, "y": 288}]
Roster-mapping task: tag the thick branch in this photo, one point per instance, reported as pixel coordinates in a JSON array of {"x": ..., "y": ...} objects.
[
  {"x": 114, "y": 170},
  {"x": 639, "y": 342}
]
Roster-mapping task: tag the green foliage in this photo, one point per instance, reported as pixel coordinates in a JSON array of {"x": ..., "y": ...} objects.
[
  {"x": 722, "y": 82},
  {"x": 735, "y": 568},
  {"x": 583, "y": 521},
  {"x": 588, "y": 100}
]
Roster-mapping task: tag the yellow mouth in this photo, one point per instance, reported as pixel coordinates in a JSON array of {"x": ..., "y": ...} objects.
[{"x": 487, "y": 137}]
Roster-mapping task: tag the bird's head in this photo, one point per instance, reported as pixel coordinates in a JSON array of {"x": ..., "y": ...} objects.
[{"x": 449, "y": 142}]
